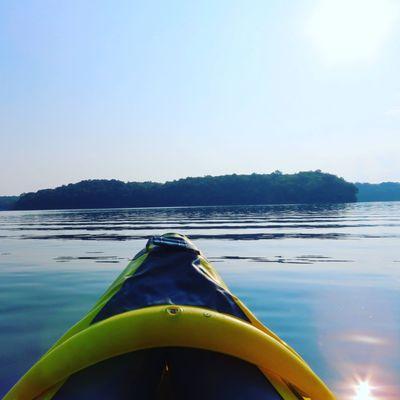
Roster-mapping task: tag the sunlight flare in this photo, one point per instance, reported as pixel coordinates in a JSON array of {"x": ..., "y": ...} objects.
[
  {"x": 348, "y": 31},
  {"x": 363, "y": 391}
]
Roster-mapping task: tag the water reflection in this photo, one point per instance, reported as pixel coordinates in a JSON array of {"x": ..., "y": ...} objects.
[{"x": 360, "y": 341}]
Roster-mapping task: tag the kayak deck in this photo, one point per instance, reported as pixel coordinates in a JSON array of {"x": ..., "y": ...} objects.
[{"x": 168, "y": 327}]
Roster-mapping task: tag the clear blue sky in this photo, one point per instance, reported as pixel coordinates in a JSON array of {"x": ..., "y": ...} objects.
[{"x": 157, "y": 90}]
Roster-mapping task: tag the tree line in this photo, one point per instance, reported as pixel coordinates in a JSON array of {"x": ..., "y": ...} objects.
[
  {"x": 385, "y": 191},
  {"x": 274, "y": 188},
  {"x": 7, "y": 202}
]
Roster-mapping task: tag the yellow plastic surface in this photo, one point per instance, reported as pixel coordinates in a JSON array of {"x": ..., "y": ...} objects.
[{"x": 168, "y": 326}]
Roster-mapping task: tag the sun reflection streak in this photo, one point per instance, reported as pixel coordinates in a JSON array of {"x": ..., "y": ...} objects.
[
  {"x": 364, "y": 356},
  {"x": 363, "y": 391}
]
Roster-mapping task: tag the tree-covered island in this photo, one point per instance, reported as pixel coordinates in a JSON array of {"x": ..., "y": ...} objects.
[{"x": 274, "y": 188}]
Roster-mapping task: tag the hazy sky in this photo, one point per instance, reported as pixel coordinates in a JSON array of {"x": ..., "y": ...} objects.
[{"x": 157, "y": 90}]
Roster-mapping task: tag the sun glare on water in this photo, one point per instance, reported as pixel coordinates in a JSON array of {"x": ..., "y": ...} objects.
[{"x": 363, "y": 392}]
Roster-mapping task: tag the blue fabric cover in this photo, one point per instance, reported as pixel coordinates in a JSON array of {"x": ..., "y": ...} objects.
[{"x": 170, "y": 276}]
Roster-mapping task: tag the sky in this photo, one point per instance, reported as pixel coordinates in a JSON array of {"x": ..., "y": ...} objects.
[{"x": 159, "y": 90}]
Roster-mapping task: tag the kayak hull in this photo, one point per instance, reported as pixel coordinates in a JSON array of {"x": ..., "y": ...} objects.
[{"x": 100, "y": 335}]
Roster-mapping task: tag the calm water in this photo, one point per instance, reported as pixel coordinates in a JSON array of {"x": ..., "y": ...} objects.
[{"x": 325, "y": 278}]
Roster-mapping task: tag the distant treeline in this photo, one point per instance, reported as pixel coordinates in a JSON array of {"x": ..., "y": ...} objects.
[
  {"x": 386, "y": 191},
  {"x": 278, "y": 188},
  {"x": 7, "y": 202},
  {"x": 274, "y": 188}
]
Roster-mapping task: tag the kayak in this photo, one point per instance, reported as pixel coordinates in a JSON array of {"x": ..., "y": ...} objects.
[{"x": 169, "y": 328}]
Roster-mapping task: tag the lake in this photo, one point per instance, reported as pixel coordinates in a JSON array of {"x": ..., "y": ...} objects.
[{"x": 324, "y": 277}]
